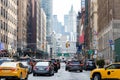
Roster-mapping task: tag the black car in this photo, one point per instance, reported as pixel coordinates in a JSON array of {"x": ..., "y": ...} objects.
[
  {"x": 54, "y": 62},
  {"x": 89, "y": 64}
]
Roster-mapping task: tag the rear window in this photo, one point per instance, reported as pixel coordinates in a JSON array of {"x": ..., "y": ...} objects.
[
  {"x": 75, "y": 62},
  {"x": 42, "y": 64},
  {"x": 25, "y": 59},
  {"x": 53, "y": 60}
]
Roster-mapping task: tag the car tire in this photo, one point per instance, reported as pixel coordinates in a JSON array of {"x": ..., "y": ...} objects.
[
  {"x": 34, "y": 74},
  {"x": 52, "y": 72},
  {"x": 81, "y": 70},
  {"x": 97, "y": 77},
  {"x": 20, "y": 76},
  {"x": 26, "y": 77},
  {"x": 66, "y": 69}
]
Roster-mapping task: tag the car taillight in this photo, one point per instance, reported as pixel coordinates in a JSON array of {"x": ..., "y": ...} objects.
[
  {"x": 81, "y": 64},
  {"x": 35, "y": 68},
  {"x": 0, "y": 69},
  {"x": 47, "y": 68}
]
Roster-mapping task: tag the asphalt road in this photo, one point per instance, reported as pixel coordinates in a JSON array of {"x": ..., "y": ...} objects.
[{"x": 63, "y": 75}]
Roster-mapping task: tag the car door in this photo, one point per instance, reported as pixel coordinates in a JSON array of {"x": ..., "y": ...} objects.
[
  {"x": 24, "y": 70},
  {"x": 112, "y": 72}
]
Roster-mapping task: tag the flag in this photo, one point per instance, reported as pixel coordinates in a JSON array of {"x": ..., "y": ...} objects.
[{"x": 81, "y": 38}]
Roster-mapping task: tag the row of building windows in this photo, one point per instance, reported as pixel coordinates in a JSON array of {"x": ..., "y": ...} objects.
[
  {"x": 12, "y": 19},
  {"x": 3, "y": 25},
  {"x": 4, "y": 38},
  {"x": 12, "y": 8},
  {"x": 3, "y": 12},
  {"x": 4, "y": 2}
]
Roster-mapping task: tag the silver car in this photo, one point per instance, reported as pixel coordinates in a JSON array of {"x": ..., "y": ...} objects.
[{"x": 43, "y": 68}]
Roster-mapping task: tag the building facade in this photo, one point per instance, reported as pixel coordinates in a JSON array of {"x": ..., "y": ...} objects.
[
  {"x": 8, "y": 24},
  {"x": 47, "y": 7},
  {"x": 22, "y": 24},
  {"x": 43, "y": 30},
  {"x": 108, "y": 28}
]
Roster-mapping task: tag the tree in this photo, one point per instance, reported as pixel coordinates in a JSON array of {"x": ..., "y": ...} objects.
[{"x": 100, "y": 63}]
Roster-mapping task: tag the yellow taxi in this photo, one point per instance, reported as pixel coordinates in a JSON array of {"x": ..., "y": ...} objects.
[
  {"x": 10, "y": 70},
  {"x": 110, "y": 72}
]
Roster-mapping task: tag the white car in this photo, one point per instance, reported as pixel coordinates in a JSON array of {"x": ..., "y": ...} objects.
[{"x": 29, "y": 66}]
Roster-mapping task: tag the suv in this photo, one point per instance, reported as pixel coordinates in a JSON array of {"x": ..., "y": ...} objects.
[
  {"x": 89, "y": 64},
  {"x": 74, "y": 66}
]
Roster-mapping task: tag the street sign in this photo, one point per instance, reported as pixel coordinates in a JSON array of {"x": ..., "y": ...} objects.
[
  {"x": 94, "y": 56},
  {"x": 66, "y": 55},
  {"x": 111, "y": 42},
  {"x": 90, "y": 51}
]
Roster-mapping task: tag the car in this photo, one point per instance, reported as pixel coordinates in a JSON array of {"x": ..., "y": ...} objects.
[
  {"x": 89, "y": 64},
  {"x": 67, "y": 65},
  {"x": 54, "y": 62},
  {"x": 58, "y": 63},
  {"x": 29, "y": 66},
  {"x": 43, "y": 68},
  {"x": 13, "y": 70},
  {"x": 2, "y": 60},
  {"x": 75, "y": 66},
  {"x": 28, "y": 59},
  {"x": 110, "y": 72}
]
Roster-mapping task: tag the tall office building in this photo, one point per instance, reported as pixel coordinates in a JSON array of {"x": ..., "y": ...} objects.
[
  {"x": 70, "y": 24},
  {"x": 43, "y": 30},
  {"x": 34, "y": 26},
  {"x": 22, "y": 24},
  {"x": 47, "y": 7},
  {"x": 57, "y": 26},
  {"x": 8, "y": 24},
  {"x": 108, "y": 29}
]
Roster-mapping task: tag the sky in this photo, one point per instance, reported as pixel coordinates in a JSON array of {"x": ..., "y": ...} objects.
[{"x": 62, "y": 7}]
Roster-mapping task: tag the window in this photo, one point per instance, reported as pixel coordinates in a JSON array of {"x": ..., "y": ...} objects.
[{"x": 114, "y": 66}]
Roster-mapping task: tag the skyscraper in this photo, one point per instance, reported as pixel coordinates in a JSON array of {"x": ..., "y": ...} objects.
[
  {"x": 47, "y": 7},
  {"x": 8, "y": 23},
  {"x": 70, "y": 24}
]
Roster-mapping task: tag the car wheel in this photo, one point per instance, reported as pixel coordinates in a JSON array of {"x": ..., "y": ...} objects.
[
  {"x": 66, "y": 69},
  {"x": 52, "y": 72},
  {"x": 96, "y": 77},
  {"x": 26, "y": 77},
  {"x": 20, "y": 77},
  {"x": 81, "y": 70},
  {"x": 34, "y": 74}
]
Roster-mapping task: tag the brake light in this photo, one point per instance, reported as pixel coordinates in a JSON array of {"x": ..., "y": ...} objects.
[
  {"x": 35, "y": 68},
  {"x": 47, "y": 68},
  {"x": 81, "y": 64},
  {"x": 0, "y": 69}
]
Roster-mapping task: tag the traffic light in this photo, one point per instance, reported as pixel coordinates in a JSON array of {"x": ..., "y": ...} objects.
[{"x": 67, "y": 44}]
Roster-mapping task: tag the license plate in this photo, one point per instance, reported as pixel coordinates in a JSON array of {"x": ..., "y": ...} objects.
[{"x": 40, "y": 68}]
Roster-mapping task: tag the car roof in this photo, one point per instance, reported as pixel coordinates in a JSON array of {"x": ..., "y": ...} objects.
[
  {"x": 42, "y": 64},
  {"x": 9, "y": 64}
]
